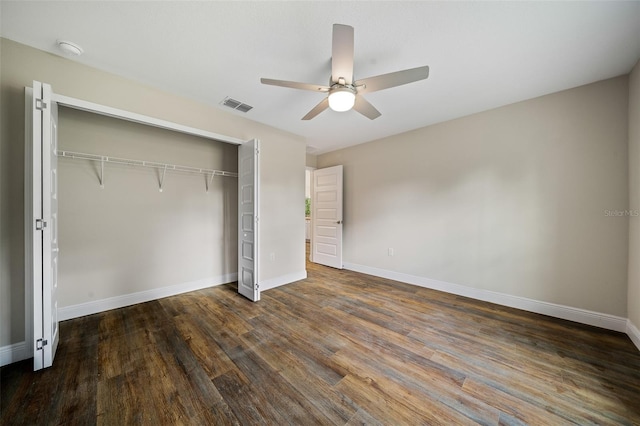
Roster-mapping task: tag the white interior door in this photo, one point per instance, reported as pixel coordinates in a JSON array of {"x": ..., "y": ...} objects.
[
  {"x": 44, "y": 221},
  {"x": 248, "y": 191},
  {"x": 326, "y": 217}
]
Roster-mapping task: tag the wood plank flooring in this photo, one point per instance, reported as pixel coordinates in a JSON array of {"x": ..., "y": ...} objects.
[{"x": 338, "y": 348}]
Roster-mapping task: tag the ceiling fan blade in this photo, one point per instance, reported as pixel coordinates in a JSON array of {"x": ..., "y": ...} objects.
[
  {"x": 393, "y": 79},
  {"x": 342, "y": 54},
  {"x": 317, "y": 109},
  {"x": 295, "y": 85},
  {"x": 365, "y": 108}
]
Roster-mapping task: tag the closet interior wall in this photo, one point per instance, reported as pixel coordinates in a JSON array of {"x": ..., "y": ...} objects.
[{"x": 129, "y": 237}]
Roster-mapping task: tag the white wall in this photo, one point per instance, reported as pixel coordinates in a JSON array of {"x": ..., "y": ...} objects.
[
  {"x": 510, "y": 200},
  {"x": 633, "y": 298},
  {"x": 282, "y": 197}
]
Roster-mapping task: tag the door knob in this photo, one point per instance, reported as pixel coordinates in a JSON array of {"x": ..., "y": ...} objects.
[{"x": 339, "y": 222}]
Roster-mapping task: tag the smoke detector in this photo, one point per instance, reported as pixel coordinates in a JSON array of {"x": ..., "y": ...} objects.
[{"x": 70, "y": 48}]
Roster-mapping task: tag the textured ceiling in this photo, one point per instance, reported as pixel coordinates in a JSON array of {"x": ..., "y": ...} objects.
[{"x": 482, "y": 54}]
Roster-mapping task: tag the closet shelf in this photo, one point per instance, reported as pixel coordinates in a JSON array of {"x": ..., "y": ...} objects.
[{"x": 142, "y": 163}]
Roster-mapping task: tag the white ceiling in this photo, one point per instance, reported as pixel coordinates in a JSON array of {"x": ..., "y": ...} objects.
[{"x": 481, "y": 54}]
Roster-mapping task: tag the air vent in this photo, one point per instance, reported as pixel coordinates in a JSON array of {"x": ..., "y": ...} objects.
[
  {"x": 244, "y": 107},
  {"x": 237, "y": 105}
]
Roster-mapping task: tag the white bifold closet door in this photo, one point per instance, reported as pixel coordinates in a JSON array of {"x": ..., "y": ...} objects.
[
  {"x": 248, "y": 221},
  {"x": 43, "y": 226}
]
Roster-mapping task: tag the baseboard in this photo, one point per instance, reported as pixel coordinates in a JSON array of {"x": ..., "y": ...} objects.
[
  {"x": 82, "y": 309},
  {"x": 13, "y": 353},
  {"x": 633, "y": 333},
  {"x": 282, "y": 280},
  {"x": 609, "y": 322}
]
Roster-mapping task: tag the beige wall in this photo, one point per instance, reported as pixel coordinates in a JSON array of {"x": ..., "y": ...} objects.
[
  {"x": 134, "y": 189},
  {"x": 312, "y": 160},
  {"x": 281, "y": 206},
  {"x": 129, "y": 237},
  {"x": 510, "y": 200},
  {"x": 633, "y": 299}
]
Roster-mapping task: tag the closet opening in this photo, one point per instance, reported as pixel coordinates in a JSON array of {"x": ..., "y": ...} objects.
[{"x": 123, "y": 208}]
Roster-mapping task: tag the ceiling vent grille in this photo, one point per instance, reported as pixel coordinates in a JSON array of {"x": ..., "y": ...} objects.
[{"x": 237, "y": 105}]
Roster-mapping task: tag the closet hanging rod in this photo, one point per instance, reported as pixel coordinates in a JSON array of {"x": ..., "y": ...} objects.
[{"x": 143, "y": 163}]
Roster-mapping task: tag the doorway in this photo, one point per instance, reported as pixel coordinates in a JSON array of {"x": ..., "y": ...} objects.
[
  {"x": 327, "y": 216},
  {"x": 308, "y": 181}
]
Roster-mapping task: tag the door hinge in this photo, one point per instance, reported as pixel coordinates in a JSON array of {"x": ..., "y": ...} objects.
[
  {"x": 40, "y": 344},
  {"x": 40, "y": 224},
  {"x": 41, "y": 104}
]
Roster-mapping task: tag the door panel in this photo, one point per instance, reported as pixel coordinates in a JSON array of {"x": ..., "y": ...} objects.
[
  {"x": 44, "y": 244},
  {"x": 36, "y": 251},
  {"x": 50, "y": 210},
  {"x": 327, "y": 217},
  {"x": 248, "y": 168}
]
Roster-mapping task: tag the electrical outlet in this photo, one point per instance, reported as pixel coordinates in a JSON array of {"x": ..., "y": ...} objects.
[
  {"x": 272, "y": 257},
  {"x": 391, "y": 252}
]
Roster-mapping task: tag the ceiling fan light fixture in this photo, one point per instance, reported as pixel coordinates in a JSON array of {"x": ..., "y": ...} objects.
[{"x": 342, "y": 99}]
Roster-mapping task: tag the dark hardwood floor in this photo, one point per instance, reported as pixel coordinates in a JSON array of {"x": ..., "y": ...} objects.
[{"x": 337, "y": 348}]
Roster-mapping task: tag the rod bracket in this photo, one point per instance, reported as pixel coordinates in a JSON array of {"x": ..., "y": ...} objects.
[
  {"x": 102, "y": 172},
  {"x": 164, "y": 171}
]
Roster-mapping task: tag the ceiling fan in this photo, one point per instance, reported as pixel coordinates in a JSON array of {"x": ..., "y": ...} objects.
[{"x": 343, "y": 92}]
